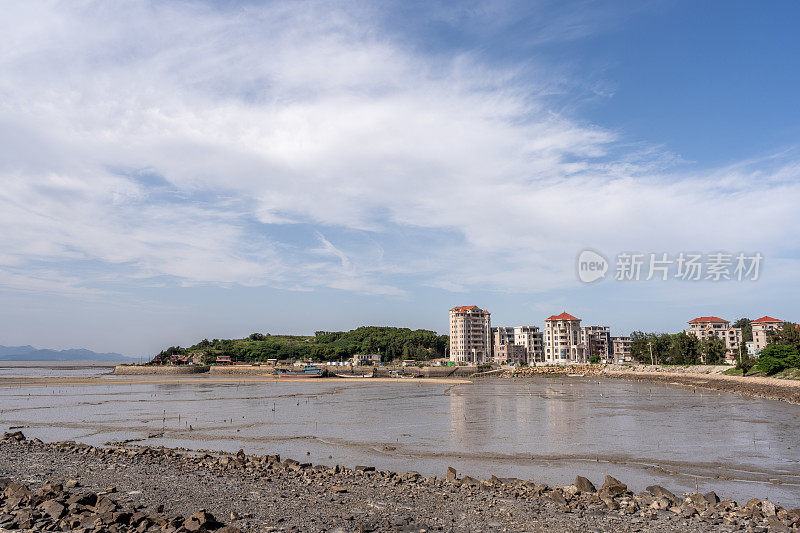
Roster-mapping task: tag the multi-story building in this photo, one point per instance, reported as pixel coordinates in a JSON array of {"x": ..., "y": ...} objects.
[
  {"x": 506, "y": 354},
  {"x": 528, "y": 338},
  {"x": 761, "y": 327},
  {"x": 532, "y": 338},
  {"x": 470, "y": 334},
  {"x": 621, "y": 349},
  {"x": 562, "y": 340},
  {"x": 597, "y": 340},
  {"x": 705, "y": 327}
]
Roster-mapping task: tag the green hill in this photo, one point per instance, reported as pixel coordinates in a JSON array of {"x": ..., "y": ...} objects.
[{"x": 391, "y": 343}]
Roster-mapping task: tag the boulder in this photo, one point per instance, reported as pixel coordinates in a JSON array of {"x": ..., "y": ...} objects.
[
  {"x": 202, "y": 520},
  {"x": 711, "y": 498},
  {"x": 778, "y": 526},
  {"x": 584, "y": 485},
  {"x": 470, "y": 481},
  {"x": 105, "y": 505},
  {"x": 53, "y": 509},
  {"x": 451, "y": 473},
  {"x": 614, "y": 486},
  {"x": 661, "y": 492},
  {"x": 362, "y": 468},
  {"x": 558, "y": 497},
  {"x": 14, "y": 436},
  {"x": 767, "y": 508}
]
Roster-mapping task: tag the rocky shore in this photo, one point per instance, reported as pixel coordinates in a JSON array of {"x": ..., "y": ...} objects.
[{"x": 67, "y": 486}]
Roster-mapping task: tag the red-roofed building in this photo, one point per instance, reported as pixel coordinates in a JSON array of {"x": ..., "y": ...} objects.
[
  {"x": 761, "y": 328},
  {"x": 705, "y": 327},
  {"x": 562, "y": 340},
  {"x": 470, "y": 334},
  {"x": 562, "y": 316}
]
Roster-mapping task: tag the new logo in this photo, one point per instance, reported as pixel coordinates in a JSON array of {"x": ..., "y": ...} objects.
[{"x": 591, "y": 266}]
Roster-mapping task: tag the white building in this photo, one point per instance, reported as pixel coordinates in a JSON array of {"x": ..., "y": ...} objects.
[
  {"x": 621, "y": 349},
  {"x": 528, "y": 338},
  {"x": 705, "y": 327},
  {"x": 470, "y": 335},
  {"x": 562, "y": 340},
  {"x": 597, "y": 340},
  {"x": 366, "y": 359},
  {"x": 761, "y": 328}
]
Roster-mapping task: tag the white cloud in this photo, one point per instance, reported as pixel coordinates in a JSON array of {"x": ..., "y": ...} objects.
[{"x": 299, "y": 114}]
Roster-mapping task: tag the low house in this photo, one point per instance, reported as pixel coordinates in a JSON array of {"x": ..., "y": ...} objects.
[
  {"x": 224, "y": 360},
  {"x": 366, "y": 359}
]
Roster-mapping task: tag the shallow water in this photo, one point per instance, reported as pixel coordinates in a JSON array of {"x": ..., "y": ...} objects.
[{"x": 546, "y": 429}]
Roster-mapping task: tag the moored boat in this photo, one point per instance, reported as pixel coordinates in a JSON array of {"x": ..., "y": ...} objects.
[{"x": 310, "y": 371}]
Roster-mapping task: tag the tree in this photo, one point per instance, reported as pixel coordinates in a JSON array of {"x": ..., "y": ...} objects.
[
  {"x": 747, "y": 329},
  {"x": 595, "y": 359},
  {"x": 777, "y": 357},
  {"x": 787, "y": 335},
  {"x": 745, "y": 363},
  {"x": 713, "y": 350}
]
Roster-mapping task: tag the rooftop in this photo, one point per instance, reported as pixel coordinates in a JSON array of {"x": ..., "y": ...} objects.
[
  {"x": 707, "y": 319},
  {"x": 562, "y": 316},
  {"x": 469, "y": 308},
  {"x": 765, "y": 319}
]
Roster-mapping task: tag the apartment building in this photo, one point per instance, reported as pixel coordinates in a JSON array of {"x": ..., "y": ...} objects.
[
  {"x": 562, "y": 340},
  {"x": 705, "y": 327},
  {"x": 597, "y": 340},
  {"x": 532, "y": 338},
  {"x": 761, "y": 328},
  {"x": 506, "y": 354},
  {"x": 528, "y": 338},
  {"x": 621, "y": 349},
  {"x": 470, "y": 335}
]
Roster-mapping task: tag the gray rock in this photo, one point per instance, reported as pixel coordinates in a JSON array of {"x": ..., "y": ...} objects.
[
  {"x": 53, "y": 509},
  {"x": 659, "y": 491},
  {"x": 614, "y": 486},
  {"x": 767, "y": 508},
  {"x": 584, "y": 485}
]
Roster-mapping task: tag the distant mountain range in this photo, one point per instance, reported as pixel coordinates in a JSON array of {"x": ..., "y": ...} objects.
[{"x": 29, "y": 353}]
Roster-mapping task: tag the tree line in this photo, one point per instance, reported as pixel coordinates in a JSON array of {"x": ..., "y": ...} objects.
[
  {"x": 389, "y": 342},
  {"x": 782, "y": 351}
]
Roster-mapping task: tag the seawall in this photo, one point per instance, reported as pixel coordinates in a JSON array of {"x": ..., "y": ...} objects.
[{"x": 136, "y": 370}]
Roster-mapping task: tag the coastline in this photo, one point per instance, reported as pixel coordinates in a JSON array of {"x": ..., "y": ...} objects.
[
  {"x": 265, "y": 493},
  {"x": 707, "y": 377}
]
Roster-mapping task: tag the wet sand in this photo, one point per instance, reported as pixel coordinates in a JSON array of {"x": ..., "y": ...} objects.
[
  {"x": 203, "y": 378},
  {"x": 786, "y": 390}
]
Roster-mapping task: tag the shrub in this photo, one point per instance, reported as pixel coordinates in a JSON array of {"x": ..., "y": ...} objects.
[{"x": 775, "y": 358}]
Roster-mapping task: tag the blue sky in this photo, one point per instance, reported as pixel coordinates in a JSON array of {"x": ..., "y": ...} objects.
[{"x": 186, "y": 170}]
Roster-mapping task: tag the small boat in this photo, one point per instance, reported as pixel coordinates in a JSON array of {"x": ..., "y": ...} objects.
[
  {"x": 355, "y": 375},
  {"x": 310, "y": 371}
]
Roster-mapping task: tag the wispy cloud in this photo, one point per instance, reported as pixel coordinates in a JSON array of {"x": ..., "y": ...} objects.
[{"x": 285, "y": 144}]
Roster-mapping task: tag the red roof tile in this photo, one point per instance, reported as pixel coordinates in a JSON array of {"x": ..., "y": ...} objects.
[
  {"x": 562, "y": 316},
  {"x": 466, "y": 308},
  {"x": 707, "y": 319},
  {"x": 765, "y": 319}
]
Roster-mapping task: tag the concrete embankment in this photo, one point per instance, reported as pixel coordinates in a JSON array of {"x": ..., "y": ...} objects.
[
  {"x": 141, "y": 370},
  {"x": 242, "y": 370},
  {"x": 216, "y": 370}
]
